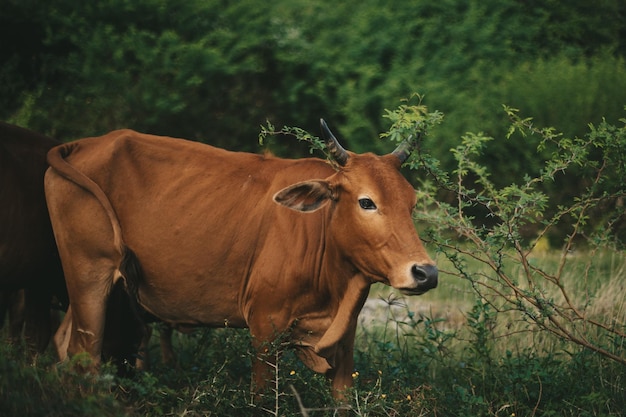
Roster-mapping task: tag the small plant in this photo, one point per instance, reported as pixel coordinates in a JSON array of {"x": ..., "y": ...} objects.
[
  {"x": 315, "y": 143},
  {"x": 411, "y": 122}
]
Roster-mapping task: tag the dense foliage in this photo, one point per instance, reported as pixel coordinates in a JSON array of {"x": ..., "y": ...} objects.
[{"x": 214, "y": 70}]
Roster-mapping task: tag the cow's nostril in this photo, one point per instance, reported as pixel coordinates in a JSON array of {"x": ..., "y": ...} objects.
[
  {"x": 419, "y": 274},
  {"x": 425, "y": 275}
]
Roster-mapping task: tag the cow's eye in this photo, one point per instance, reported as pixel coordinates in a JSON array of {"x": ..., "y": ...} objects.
[{"x": 367, "y": 204}]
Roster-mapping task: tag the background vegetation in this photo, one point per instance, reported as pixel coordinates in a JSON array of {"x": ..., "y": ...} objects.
[
  {"x": 525, "y": 216},
  {"x": 214, "y": 70}
]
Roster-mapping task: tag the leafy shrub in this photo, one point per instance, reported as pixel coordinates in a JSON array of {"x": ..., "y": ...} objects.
[{"x": 491, "y": 224}]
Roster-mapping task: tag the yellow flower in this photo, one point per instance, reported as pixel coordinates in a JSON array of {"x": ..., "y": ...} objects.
[
  {"x": 383, "y": 396},
  {"x": 292, "y": 373},
  {"x": 355, "y": 374},
  {"x": 408, "y": 397}
]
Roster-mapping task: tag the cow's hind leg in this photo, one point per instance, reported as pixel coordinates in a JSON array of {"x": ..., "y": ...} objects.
[
  {"x": 124, "y": 332},
  {"x": 88, "y": 317},
  {"x": 90, "y": 259}
]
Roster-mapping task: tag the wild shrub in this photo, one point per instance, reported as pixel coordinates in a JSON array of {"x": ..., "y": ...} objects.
[{"x": 500, "y": 227}]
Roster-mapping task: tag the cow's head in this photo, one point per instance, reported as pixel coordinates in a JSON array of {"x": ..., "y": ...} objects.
[{"x": 371, "y": 223}]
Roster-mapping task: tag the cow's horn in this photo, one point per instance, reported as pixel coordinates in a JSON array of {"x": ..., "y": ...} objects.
[
  {"x": 338, "y": 153},
  {"x": 404, "y": 149}
]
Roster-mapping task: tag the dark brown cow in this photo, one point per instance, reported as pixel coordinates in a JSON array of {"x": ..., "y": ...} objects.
[
  {"x": 206, "y": 237},
  {"x": 29, "y": 260},
  {"x": 12, "y": 305}
]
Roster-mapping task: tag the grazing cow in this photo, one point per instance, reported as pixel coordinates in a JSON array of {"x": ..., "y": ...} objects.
[
  {"x": 207, "y": 237},
  {"x": 29, "y": 262}
]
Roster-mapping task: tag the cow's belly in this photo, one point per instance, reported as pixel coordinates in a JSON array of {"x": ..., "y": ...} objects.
[
  {"x": 193, "y": 312},
  {"x": 191, "y": 298}
]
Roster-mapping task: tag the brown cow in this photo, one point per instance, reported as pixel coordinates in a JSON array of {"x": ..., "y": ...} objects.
[
  {"x": 29, "y": 262},
  {"x": 207, "y": 237}
]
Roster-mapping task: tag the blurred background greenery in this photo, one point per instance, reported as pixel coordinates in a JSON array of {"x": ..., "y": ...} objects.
[{"x": 214, "y": 70}]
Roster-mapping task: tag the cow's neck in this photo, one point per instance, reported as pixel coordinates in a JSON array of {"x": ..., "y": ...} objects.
[
  {"x": 348, "y": 289},
  {"x": 337, "y": 274}
]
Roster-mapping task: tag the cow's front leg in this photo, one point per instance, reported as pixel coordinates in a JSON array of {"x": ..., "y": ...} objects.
[
  {"x": 265, "y": 373},
  {"x": 267, "y": 340},
  {"x": 341, "y": 374},
  {"x": 142, "y": 363},
  {"x": 168, "y": 357},
  {"x": 341, "y": 377}
]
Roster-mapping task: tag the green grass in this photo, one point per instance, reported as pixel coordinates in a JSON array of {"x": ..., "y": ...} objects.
[{"x": 447, "y": 353}]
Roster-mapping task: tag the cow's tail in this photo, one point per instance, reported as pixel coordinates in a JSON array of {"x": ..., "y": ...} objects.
[
  {"x": 131, "y": 270},
  {"x": 129, "y": 266}
]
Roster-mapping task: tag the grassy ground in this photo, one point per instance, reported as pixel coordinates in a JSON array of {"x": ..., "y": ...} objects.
[{"x": 447, "y": 353}]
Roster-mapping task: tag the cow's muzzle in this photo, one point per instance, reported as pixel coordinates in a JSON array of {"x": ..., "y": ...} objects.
[{"x": 425, "y": 277}]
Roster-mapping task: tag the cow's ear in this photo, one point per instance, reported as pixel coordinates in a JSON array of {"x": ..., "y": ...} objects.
[{"x": 305, "y": 196}]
